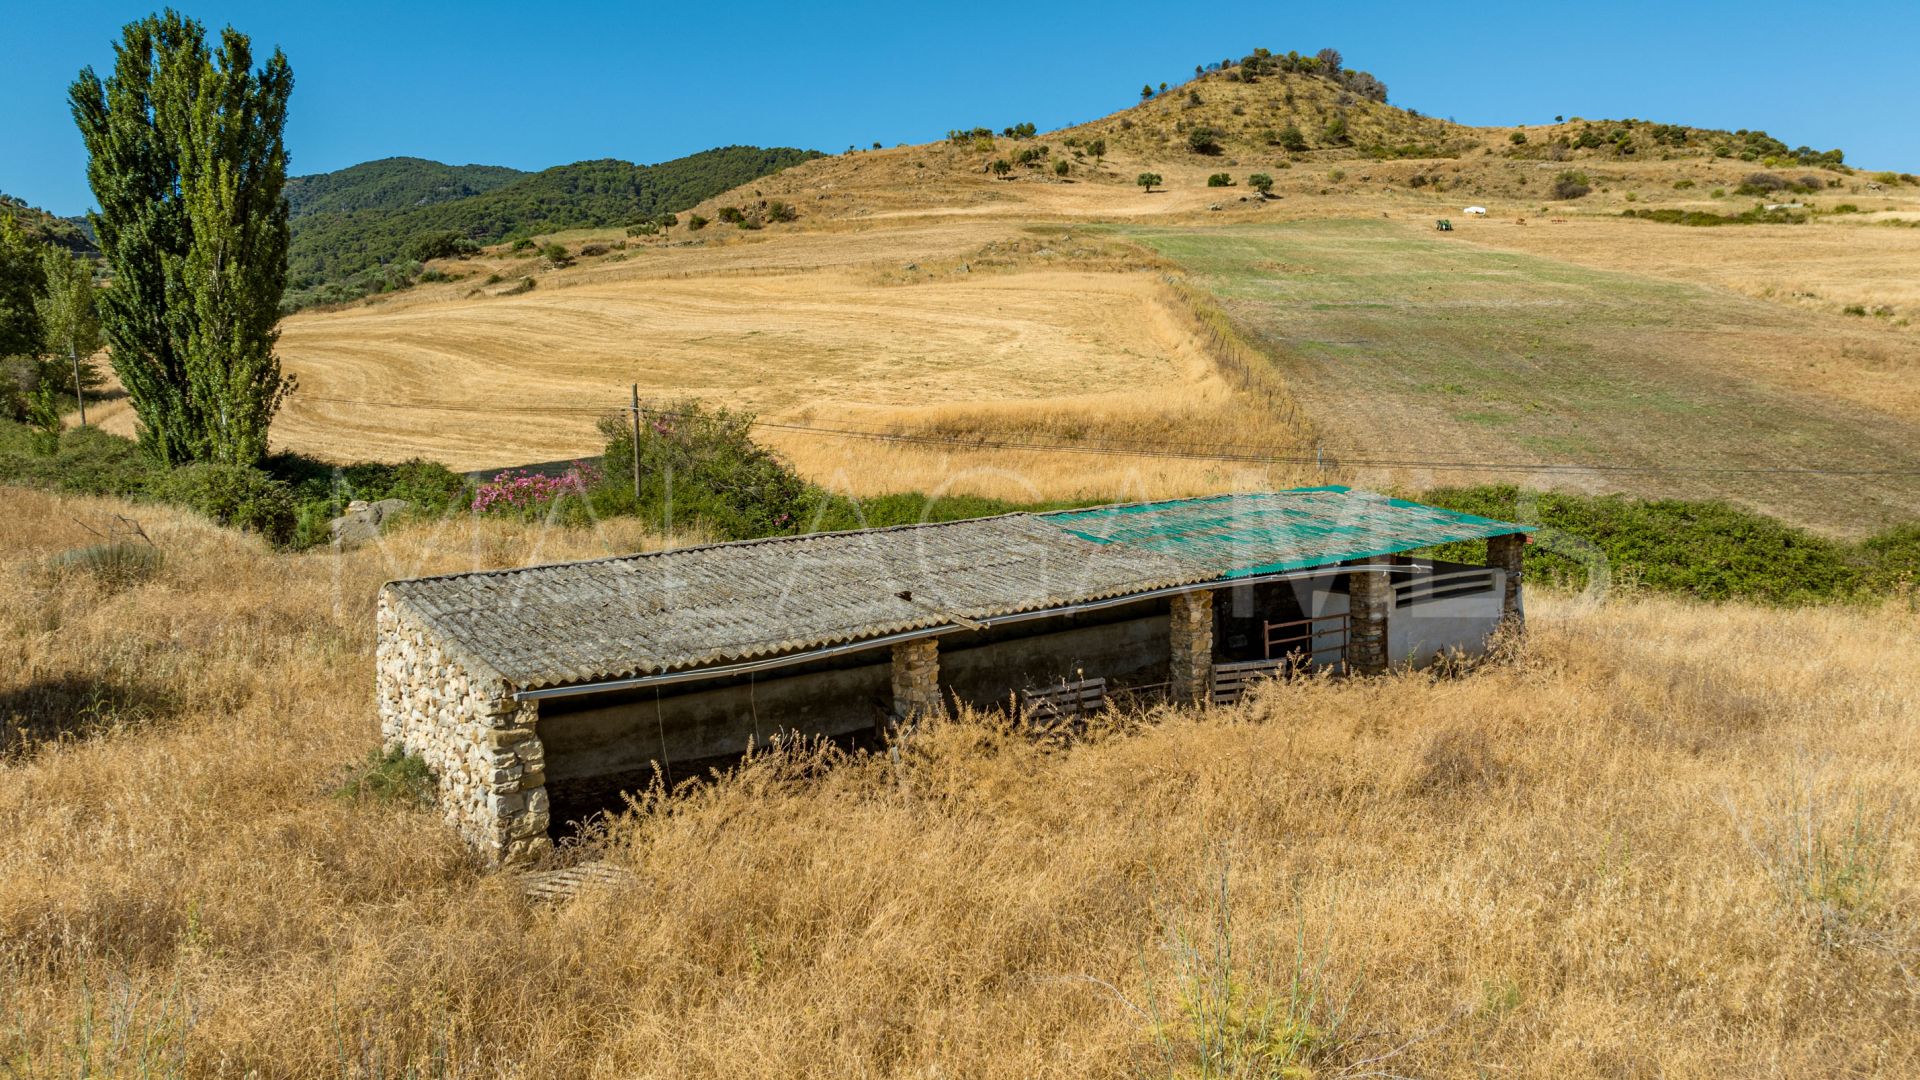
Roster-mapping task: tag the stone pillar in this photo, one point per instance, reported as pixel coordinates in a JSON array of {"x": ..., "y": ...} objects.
[
  {"x": 1508, "y": 553},
  {"x": 1191, "y": 630},
  {"x": 1370, "y": 598},
  {"x": 916, "y": 680}
]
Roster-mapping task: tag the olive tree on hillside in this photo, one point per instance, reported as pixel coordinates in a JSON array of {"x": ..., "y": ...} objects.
[
  {"x": 186, "y": 159},
  {"x": 1147, "y": 181}
]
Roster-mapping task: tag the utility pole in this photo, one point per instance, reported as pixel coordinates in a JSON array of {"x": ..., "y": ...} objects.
[
  {"x": 636, "y": 444},
  {"x": 79, "y": 392}
]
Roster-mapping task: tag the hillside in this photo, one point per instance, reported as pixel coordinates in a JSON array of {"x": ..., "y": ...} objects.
[
  {"x": 43, "y": 227},
  {"x": 368, "y": 230},
  {"x": 391, "y": 184}
]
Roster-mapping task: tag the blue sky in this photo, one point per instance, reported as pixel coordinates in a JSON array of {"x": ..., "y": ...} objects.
[{"x": 538, "y": 84}]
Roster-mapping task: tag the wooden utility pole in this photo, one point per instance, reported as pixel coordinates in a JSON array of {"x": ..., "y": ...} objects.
[
  {"x": 79, "y": 392},
  {"x": 636, "y": 443}
]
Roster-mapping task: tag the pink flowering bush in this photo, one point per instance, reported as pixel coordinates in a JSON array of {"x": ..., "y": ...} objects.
[{"x": 520, "y": 493}]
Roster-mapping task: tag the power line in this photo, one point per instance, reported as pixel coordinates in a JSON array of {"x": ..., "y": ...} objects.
[{"x": 1222, "y": 452}]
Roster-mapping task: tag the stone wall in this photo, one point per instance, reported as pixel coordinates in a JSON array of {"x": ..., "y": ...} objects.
[
  {"x": 1508, "y": 553},
  {"x": 1190, "y": 626},
  {"x": 916, "y": 679},
  {"x": 479, "y": 742},
  {"x": 1370, "y": 595}
]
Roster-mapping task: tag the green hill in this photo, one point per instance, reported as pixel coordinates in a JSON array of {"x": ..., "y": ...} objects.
[
  {"x": 398, "y": 183},
  {"x": 43, "y": 227},
  {"x": 330, "y": 245}
]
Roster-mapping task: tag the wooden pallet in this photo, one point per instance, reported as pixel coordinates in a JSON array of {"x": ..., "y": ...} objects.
[
  {"x": 556, "y": 886},
  {"x": 1050, "y": 705},
  {"x": 1230, "y": 681}
]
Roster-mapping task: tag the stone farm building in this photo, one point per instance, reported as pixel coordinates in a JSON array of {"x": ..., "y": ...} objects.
[{"x": 534, "y": 691}]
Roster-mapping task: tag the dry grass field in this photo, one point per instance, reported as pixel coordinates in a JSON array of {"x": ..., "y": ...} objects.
[{"x": 1663, "y": 839}]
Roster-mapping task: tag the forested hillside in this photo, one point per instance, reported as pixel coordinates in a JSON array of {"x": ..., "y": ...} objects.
[
  {"x": 43, "y": 227},
  {"x": 332, "y": 244},
  {"x": 397, "y": 183}
]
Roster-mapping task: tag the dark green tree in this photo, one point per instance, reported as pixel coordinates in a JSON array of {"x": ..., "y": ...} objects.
[
  {"x": 1261, "y": 183},
  {"x": 186, "y": 159},
  {"x": 21, "y": 284}
]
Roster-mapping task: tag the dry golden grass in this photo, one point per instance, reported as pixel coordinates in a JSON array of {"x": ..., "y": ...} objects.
[{"x": 1669, "y": 839}]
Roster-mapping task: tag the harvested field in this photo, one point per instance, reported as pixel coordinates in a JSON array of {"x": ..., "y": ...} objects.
[
  {"x": 1668, "y": 839},
  {"x": 1404, "y": 344}
]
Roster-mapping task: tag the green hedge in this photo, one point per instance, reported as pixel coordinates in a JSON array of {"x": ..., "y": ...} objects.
[{"x": 1708, "y": 550}]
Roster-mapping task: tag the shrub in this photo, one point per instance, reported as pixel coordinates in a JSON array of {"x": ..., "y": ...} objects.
[
  {"x": 1761, "y": 184},
  {"x": 1682, "y": 185},
  {"x": 1097, "y": 147},
  {"x": 695, "y": 222},
  {"x": 719, "y": 477},
  {"x": 643, "y": 228},
  {"x": 1203, "y": 140},
  {"x": 450, "y": 244},
  {"x": 1518, "y": 138},
  {"x": 778, "y": 211},
  {"x": 1571, "y": 184},
  {"x": 1001, "y": 167},
  {"x": 1060, "y": 167},
  {"x": 1292, "y": 140},
  {"x": 392, "y": 776},
  {"x": 84, "y": 460},
  {"x": 1855, "y": 309},
  {"x": 556, "y": 254},
  {"x": 588, "y": 251},
  {"x": 1336, "y": 175},
  {"x": 1708, "y": 550},
  {"x": 1261, "y": 183},
  {"x": 118, "y": 564},
  {"x": 1335, "y": 132},
  {"x": 521, "y": 244},
  {"x": 1219, "y": 179},
  {"x": 237, "y": 496},
  {"x": 731, "y": 215},
  {"x": 531, "y": 495}
]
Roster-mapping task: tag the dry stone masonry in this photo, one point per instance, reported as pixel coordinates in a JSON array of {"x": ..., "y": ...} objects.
[
  {"x": 916, "y": 679},
  {"x": 1191, "y": 675},
  {"x": 1508, "y": 553},
  {"x": 480, "y": 743},
  {"x": 1371, "y": 597}
]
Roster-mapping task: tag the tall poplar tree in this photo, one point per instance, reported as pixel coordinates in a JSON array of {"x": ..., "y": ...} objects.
[{"x": 187, "y": 162}]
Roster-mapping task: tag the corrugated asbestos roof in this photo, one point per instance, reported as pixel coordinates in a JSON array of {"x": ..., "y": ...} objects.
[{"x": 572, "y": 623}]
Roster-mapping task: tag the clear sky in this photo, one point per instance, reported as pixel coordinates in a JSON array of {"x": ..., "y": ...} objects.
[{"x": 533, "y": 84}]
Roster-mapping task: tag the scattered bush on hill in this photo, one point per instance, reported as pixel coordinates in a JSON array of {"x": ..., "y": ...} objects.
[
  {"x": 447, "y": 244},
  {"x": 1060, "y": 167},
  {"x": 1203, "y": 140},
  {"x": 556, "y": 254},
  {"x": 695, "y": 222},
  {"x": 1291, "y": 139},
  {"x": 731, "y": 215},
  {"x": 1261, "y": 183},
  {"x": 781, "y": 212},
  {"x": 1572, "y": 184},
  {"x": 1220, "y": 179},
  {"x": 1147, "y": 181}
]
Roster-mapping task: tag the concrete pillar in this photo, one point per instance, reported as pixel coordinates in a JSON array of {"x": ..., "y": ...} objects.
[
  {"x": 916, "y": 680},
  {"x": 1191, "y": 631},
  {"x": 1370, "y": 597},
  {"x": 1508, "y": 553}
]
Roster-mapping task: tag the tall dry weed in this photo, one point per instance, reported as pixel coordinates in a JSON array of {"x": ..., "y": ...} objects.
[{"x": 1528, "y": 869}]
